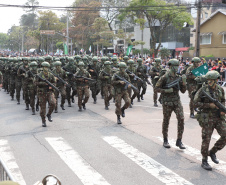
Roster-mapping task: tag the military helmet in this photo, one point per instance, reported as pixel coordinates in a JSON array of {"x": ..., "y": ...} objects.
[
  {"x": 103, "y": 59},
  {"x": 84, "y": 58},
  {"x": 107, "y": 63},
  {"x": 139, "y": 60},
  {"x": 45, "y": 64},
  {"x": 25, "y": 58},
  {"x": 33, "y": 64},
  {"x": 81, "y": 64},
  {"x": 122, "y": 65},
  {"x": 158, "y": 60},
  {"x": 56, "y": 59},
  {"x": 95, "y": 59},
  {"x": 125, "y": 58},
  {"x": 212, "y": 75},
  {"x": 41, "y": 59},
  {"x": 114, "y": 59},
  {"x": 173, "y": 62},
  {"x": 130, "y": 62},
  {"x": 70, "y": 59},
  {"x": 196, "y": 59},
  {"x": 62, "y": 58},
  {"x": 57, "y": 63},
  {"x": 77, "y": 57},
  {"x": 48, "y": 58}
]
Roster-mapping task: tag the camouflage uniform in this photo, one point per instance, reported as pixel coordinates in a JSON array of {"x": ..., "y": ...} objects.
[
  {"x": 7, "y": 76},
  {"x": 13, "y": 73},
  {"x": 171, "y": 102},
  {"x": 210, "y": 118},
  {"x": 120, "y": 92},
  {"x": 45, "y": 94},
  {"x": 82, "y": 86},
  {"x": 154, "y": 73},
  {"x": 105, "y": 76}
]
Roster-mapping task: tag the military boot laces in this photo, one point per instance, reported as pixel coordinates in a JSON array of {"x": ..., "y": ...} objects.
[
  {"x": 123, "y": 112},
  {"x": 205, "y": 165},
  {"x": 165, "y": 143},
  {"x": 214, "y": 158},
  {"x": 49, "y": 118},
  {"x": 180, "y": 144},
  {"x": 119, "y": 119}
]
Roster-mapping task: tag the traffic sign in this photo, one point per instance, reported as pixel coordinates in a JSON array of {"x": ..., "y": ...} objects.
[{"x": 47, "y": 32}]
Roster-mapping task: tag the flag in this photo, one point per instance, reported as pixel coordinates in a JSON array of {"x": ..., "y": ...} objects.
[
  {"x": 129, "y": 50},
  {"x": 201, "y": 70},
  {"x": 65, "y": 49},
  {"x": 90, "y": 49},
  {"x": 82, "y": 50}
]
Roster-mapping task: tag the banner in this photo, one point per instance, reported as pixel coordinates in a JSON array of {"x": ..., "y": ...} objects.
[
  {"x": 90, "y": 49},
  {"x": 129, "y": 49},
  {"x": 201, "y": 70},
  {"x": 65, "y": 49}
]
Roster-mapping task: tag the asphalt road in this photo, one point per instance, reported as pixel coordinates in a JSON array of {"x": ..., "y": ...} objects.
[{"x": 90, "y": 148}]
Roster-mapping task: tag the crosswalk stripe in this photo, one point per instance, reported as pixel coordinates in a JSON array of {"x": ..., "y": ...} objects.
[
  {"x": 85, "y": 172},
  {"x": 8, "y": 158},
  {"x": 193, "y": 152},
  {"x": 159, "y": 171}
]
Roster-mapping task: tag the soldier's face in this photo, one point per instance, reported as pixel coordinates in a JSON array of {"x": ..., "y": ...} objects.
[
  {"x": 71, "y": 62},
  {"x": 45, "y": 69},
  {"x": 212, "y": 83},
  {"x": 34, "y": 68},
  {"x": 196, "y": 64},
  {"x": 107, "y": 66},
  {"x": 58, "y": 67},
  {"x": 123, "y": 70},
  {"x": 81, "y": 68},
  {"x": 175, "y": 68}
]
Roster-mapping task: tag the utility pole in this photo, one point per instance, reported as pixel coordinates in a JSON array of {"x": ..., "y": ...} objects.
[
  {"x": 22, "y": 45},
  {"x": 198, "y": 20},
  {"x": 67, "y": 29}
]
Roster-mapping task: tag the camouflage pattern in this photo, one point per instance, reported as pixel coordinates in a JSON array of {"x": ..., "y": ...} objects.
[
  {"x": 171, "y": 102},
  {"x": 13, "y": 74},
  {"x": 120, "y": 92},
  {"x": 134, "y": 82},
  {"x": 210, "y": 119},
  {"x": 142, "y": 73},
  {"x": 45, "y": 94}
]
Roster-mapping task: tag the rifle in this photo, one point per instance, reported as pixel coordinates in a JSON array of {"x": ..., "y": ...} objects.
[
  {"x": 215, "y": 101},
  {"x": 94, "y": 71},
  {"x": 85, "y": 78},
  {"x": 49, "y": 84},
  {"x": 69, "y": 72},
  {"x": 145, "y": 78},
  {"x": 127, "y": 83},
  {"x": 174, "y": 84},
  {"x": 105, "y": 73},
  {"x": 135, "y": 76},
  {"x": 60, "y": 79}
]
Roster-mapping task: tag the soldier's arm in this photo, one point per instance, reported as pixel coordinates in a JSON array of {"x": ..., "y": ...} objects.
[
  {"x": 182, "y": 87},
  {"x": 189, "y": 74},
  {"x": 39, "y": 83},
  {"x": 223, "y": 97},
  {"x": 114, "y": 80},
  {"x": 159, "y": 84},
  {"x": 198, "y": 102}
]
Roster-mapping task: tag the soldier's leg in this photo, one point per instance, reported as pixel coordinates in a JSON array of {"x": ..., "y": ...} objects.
[
  {"x": 93, "y": 91},
  {"x": 191, "y": 104},
  {"x": 80, "y": 94},
  {"x": 74, "y": 93},
  {"x": 86, "y": 93},
  {"x": 102, "y": 91},
  {"x": 68, "y": 91},
  {"x": 155, "y": 96},
  {"x": 52, "y": 102},
  {"x": 118, "y": 101},
  {"x": 18, "y": 89},
  {"x": 221, "y": 129},
  {"x": 32, "y": 100},
  {"x": 42, "y": 102},
  {"x": 63, "y": 97},
  {"x": 139, "y": 85},
  {"x": 56, "y": 94},
  {"x": 127, "y": 100},
  {"x": 135, "y": 93},
  {"x": 110, "y": 89},
  {"x": 178, "y": 109},
  {"x": 144, "y": 87},
  {"x": 167, "y": 111},
  {"x": 105, "y": 89}
]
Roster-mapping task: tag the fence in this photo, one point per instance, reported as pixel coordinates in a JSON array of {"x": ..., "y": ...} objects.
[{"x": 4, "y": 172}]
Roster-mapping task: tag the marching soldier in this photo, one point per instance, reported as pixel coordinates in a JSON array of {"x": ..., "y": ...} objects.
[
  {"x": 211, "y": 117},
  {"x": 82, "y": 85},
  {"x": 191, "y": 83},
  {"x": 45, "y": 93},
  {"x": 171, "y": 101},
  {"x": 105, "y": 76},
  {"x": 120, "y": 92},
  {"x": 58, "y": 71},
  {"x": 154, "y": 73}
]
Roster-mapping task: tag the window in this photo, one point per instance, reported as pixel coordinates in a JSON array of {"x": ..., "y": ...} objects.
[
  {"x": 224, "y": 39},
  {"x": 206, "y": 15},
  {"x": 205, "y": 39}
]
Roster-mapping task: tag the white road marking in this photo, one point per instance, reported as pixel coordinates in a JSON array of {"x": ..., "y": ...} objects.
[
  {"x": 159, "y": 171},
  {"x": 9, "y": 160},
  {"x": 193, "y": 152},
  {"x": 87, "y": 174},
  {"x": 216, "y": 137}
]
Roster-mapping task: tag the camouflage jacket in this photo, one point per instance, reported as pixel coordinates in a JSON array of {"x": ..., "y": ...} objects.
[
  {"x": 42, "y": 86},
  {"x": 116, "y": 82},
  {"x": 62, "y": 74},
  {"x": 79, "y": 81}
]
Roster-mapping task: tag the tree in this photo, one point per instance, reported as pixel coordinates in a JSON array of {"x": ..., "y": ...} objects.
[
  {"x": 29, "y": 20},
  {"x": 159, "y": 15},
  {"x": 164, "y": 52},
  {"x": 3, "y": 40},
  {"x": 60, "y": 45},
  {"x": 31, "y": 4}
]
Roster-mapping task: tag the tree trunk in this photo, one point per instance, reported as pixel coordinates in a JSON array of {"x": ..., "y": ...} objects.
[{"x": 142, "y": 39}]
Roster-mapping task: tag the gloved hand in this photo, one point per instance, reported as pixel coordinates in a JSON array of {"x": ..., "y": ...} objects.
[
  {"x": 168, "y": 90},
  {"x": 184, "y": 79},
  {"x": 213, "y": 106},
  {"x": 106, "y": 77}
]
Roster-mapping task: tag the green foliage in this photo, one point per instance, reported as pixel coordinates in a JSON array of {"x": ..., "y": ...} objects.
[
  {"x": 191, "y": 48},
  {"x": 3, "y": 40},
  {"x": 136, "y": 51},
  {"x": 146, "y": 51},
  {"x": 60, "y": 45},
  {"x": 209, "y": 56},
  {"x": 164, "y": 52}
]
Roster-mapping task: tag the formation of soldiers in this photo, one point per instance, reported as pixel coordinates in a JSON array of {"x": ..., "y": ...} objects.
[{"x": 44, "y": 80}]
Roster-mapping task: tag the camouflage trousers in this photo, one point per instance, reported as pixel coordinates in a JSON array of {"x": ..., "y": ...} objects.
[
  {"x": 143, "y": 86},
  {"x": 63, "y": 95},
  {"x": 31, "y": 97},
  {"x": 25, "y": 94},
  {"x": 68, "y": 91},
  {"x": 82, "y": 91},
  {"x": 214, "y": 122},
  {"x": 134, "y": 92},
  {"x": 95, "y": 88},
  {"x": 45, "y": 97},
  {"x": 18, "y": 89},
  {"x": 168, "y": 108},
  {"x": 107, "y": 93},
  {"x": 191, "y": 89},
  {"x": 155, "y": 95},
  {"x": 12, "y": 88},
  {"x": 118, "y": 101},
  {"x": 5, "y": 82}
]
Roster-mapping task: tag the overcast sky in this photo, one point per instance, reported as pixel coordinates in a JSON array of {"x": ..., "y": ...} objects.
[{"x": 11, "y": 16}]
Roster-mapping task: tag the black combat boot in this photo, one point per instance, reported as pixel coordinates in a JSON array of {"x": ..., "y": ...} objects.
[
  {"x": 56, "y": 111},
  {"x": 214, "y": 158},
  {"x": 80, "y": 109},
  {"x": 84, "y": 106},
  {"x": 44, "y": 123},
  {"x": 33, "y": 111},
  {"x": 142, "y": 97},
  {"x": 62, "y": 107},
  {"x": 27, "y": 107},
  {"x": 69, "y": 104},
  {"x": 180, "y": 144},
  {"x": 119, "y": 119},
  {"x": 131, "y": 101},
  {"x": 95, "y": 100},
  {"x": 106, "y": 108},
  {"x": 49, "y": 118},
  {"x": 123, "y": 112},
  {"x": 205, "y": 165},
  {"x": 18, "y": 102},
  {"x": 155, "y": 105},
  {"x": 138, "y": 98},
  {"x": 37, "y": 107},
  {"x": 72, "y": 99},
  {"x": 165, "y": 143},
  {"x": 192, "y": 115},
  {"x": 12, "y": 98}
]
